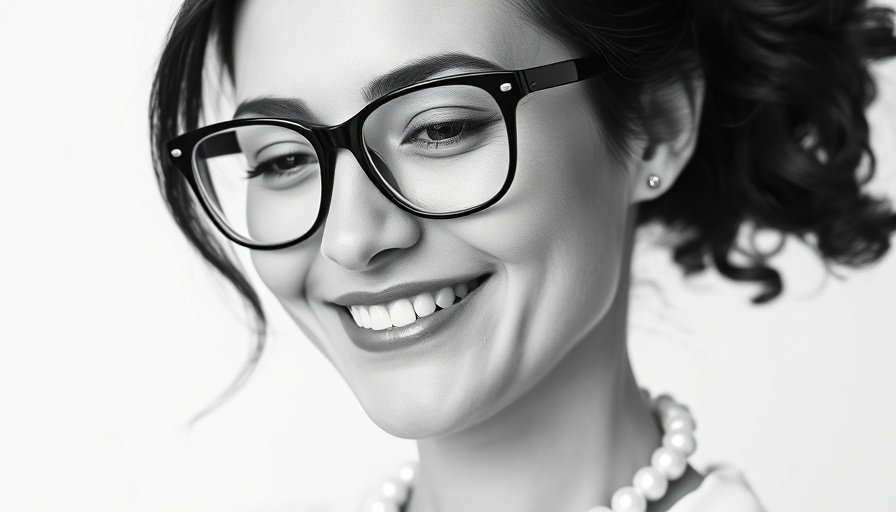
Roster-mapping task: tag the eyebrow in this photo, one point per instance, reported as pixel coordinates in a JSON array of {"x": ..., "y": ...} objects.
[{"x": 409, "y": 74}]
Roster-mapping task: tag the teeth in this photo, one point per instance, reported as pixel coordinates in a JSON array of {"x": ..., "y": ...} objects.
[
  {"x": 365, "y": 316},
  {"x": 379, "y": 318},
  {"x": 424, "y": 305},
  {"x": 402, "y": 312},
  {"x": 445, "y": 297}
]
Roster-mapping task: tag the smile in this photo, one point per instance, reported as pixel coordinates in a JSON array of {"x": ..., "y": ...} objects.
[
  {"x": 412, "y": 314},
  {"x": 407, "y": 310}
]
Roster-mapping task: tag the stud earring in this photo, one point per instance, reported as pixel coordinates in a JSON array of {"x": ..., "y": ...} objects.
[{"x": 653, "y": 181}]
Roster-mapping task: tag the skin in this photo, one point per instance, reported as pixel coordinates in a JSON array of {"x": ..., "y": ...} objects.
[{"x": 530, "y": 404}]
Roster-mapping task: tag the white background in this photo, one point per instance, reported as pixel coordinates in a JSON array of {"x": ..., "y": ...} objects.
[{"x": 114, "y": 334}]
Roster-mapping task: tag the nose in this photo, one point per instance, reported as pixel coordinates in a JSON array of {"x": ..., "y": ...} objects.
[{"x": 363, "y": 227}]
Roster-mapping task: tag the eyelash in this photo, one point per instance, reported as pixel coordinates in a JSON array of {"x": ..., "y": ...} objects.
[
  {"x": 262, "y": 168},
  {"x": 468, "y": 127}
]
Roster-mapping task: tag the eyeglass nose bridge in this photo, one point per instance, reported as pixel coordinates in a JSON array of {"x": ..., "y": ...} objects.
[
  {"x": 338, "y": 137},
  {"x": 343, "y": 136},
  {"x": 335, "y": 137}
]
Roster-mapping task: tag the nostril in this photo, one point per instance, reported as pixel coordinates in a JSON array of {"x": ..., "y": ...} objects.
[{"x": 384, "y": 256}]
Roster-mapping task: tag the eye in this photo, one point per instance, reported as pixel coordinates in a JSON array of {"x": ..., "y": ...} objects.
[
  {"x": 453, "y": 132},
  {"x": 443, "y": 131},
  {"x": 283, "y": 165},
  {"x": 284, "y": 172}
]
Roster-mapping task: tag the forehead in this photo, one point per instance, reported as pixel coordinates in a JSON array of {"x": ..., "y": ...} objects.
[{"x": 325, "y": 52}]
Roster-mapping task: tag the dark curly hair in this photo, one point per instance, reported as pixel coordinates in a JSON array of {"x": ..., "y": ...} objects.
[{"x": 783, "y": 141}]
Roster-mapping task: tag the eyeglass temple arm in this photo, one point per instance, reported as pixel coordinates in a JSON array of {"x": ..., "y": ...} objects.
[
  {"x": 220, "y": 144},
  {"x": 562, "y": 73}
]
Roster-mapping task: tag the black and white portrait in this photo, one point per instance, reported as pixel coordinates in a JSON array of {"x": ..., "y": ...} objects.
[{"x": 470, "y": 256}]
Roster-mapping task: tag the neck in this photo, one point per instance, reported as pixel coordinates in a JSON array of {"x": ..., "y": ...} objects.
[{"x": 565, "y": 446}]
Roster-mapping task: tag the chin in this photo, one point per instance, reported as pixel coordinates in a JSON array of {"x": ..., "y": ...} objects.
[
  {"x": 426, "y": 405},
  {"x": 431, "y": 418}
]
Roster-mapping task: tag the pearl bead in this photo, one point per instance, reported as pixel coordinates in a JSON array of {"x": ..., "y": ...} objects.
[
  {"x": 662, "y": 402},
  {"x": 651, "y": 483},
  {"x": 681, "y": 440},
  {"x": 675, "y": 409},
  {"x": 396, "y": 490},
  {"x": 679, "y": 422},
  {"x": 668, "y": 461},
  {"x": 600, "y": 508},
  {"x": 382, "y": 505},
  {"x": 628, "y": 499},
  {"x": 407, "y": 473}
]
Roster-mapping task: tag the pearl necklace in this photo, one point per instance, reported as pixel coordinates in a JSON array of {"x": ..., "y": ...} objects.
[{"x": 667, "y": 464}]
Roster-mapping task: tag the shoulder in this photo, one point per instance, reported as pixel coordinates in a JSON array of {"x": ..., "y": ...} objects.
[{"x": 723, "y": 488}]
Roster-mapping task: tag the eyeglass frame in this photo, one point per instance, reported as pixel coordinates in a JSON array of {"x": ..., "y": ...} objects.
[{"x": 507, "y": 88}]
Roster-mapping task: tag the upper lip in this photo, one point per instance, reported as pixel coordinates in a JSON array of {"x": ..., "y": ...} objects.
[{"x": 399, "y": 291}]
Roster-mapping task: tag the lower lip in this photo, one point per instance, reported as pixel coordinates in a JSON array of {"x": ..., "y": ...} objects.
[{"x": 397, "y": 338}]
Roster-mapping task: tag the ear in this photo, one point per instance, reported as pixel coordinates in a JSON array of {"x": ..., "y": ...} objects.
[{"x": 672, "y": 121}]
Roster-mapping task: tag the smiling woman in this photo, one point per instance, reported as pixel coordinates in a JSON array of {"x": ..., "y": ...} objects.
[{"x": 445, "y": 201}]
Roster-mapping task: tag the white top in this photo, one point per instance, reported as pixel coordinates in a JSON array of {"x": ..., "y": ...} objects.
[{"x": 724, "y": 488}]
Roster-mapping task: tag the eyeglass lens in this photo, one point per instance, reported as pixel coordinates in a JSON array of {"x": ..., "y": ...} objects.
[{"x": 440, "y": 150}]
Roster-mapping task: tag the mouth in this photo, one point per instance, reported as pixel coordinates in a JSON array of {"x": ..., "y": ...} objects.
[
  {"x": 411, "y": 319},
  {"x": 407, "y": 310}
]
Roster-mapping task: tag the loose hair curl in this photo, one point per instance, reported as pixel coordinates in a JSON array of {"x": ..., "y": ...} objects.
[
  {"x": 783, "y": 131},
  {"x": 783, "y": 141}
]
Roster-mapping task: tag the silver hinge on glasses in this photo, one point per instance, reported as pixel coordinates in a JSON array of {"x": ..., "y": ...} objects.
[
  {"x": 505, "y": 87},
  {"x": 176, "y": 153}
]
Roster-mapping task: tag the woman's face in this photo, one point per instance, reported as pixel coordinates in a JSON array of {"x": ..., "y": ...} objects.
[{"x": 548, "y": 255}]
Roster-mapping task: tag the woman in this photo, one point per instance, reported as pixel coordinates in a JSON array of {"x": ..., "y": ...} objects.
[{"x": 445, "y": 200}]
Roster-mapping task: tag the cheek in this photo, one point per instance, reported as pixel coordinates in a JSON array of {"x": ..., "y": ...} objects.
[
  {"x": 568, "y": 202},
  {"x": 282, "y": 214},
  {"x": 559, "y": 237},
  {"x": 285, "y": 273},
  {"x": 581, "y": 219}
]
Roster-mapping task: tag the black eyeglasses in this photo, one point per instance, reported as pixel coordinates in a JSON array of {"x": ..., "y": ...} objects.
[{"x": 439, "y": 149}]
